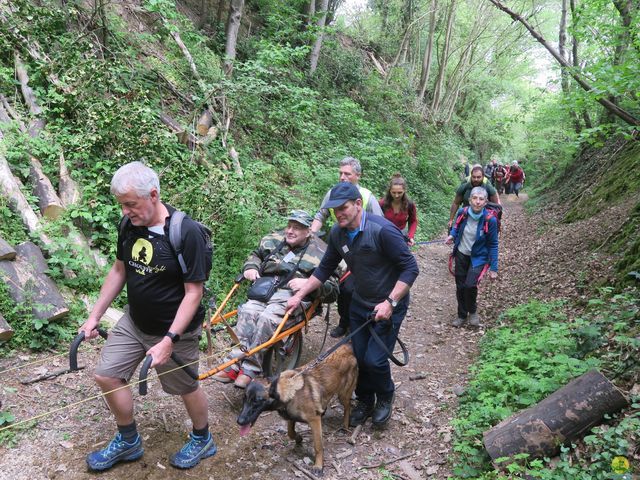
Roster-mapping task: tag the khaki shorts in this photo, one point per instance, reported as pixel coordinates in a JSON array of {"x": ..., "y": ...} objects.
[{"x": 127, "y": 346}]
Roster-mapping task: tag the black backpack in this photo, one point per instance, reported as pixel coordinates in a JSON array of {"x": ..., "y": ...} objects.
[{"x": 175, "y": 238}]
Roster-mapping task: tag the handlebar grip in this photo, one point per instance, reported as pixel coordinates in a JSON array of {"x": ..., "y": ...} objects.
[
  {"x": 144, "y": 373},
  {"x": 73, "y": 348}
]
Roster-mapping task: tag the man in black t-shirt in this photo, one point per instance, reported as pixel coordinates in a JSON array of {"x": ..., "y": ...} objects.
[{"x": 163, "y": 317}]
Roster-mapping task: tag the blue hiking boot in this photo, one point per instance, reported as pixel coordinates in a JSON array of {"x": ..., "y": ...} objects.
[
  {"x": 193, "y": 451},
  {"x": 117, "y": 451}
]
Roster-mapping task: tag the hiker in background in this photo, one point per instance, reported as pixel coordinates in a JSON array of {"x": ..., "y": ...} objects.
[
  {"x": 516, "y": 178},
  {"x": 281, "y": 263},
  {"x": 463, "y": 192},
  {"x": 464, "y": 168},
  {"x": 163, "y": 316},
  {"x": 499, "y": 178},
  {"x": 399, "y": 209},
  {"x": 350, "y": 171},
  {"x": 475, "y": 251},
  {"x": 489, "y": 169}
]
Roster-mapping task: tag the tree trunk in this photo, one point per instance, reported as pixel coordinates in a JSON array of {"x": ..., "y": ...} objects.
[
  {"x": 8, "y": 114},
  {"x": 611, "y": 107},
  {"x": 204, "y": 122},
  {"x": 317, "y": 45},
  {"x": 562, "y": 41},
  {"x": 6, "y": 251},
  {"x": 310, "y": 12},
  {"x": 233, "y": 26},
  {"x": 576, "y": 65},
  {"x": 183, "y": 136},
  {"x": 220, "y": 12},
  {"x": 28, "y": 285},
  {"x": 407, "y": 16},
  {"x": 48, "y": 201},
  {"x": 378, "y": 66},
  {"x": 428, "y": 52},
  {"x": 563, "y": 416},
  {"x": 68, "y": 188},
  {"x": 103, "y": 30},
  {"x": 203, "y": 19},
  {"x": 437, "y": 92},
  {"x": 11, "y": 189},
  {"x": 37, "y": 124},
  {"x": 5, "y": 329}
]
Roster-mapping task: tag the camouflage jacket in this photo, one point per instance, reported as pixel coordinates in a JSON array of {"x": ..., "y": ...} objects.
[{"x": 275, "y": 263}]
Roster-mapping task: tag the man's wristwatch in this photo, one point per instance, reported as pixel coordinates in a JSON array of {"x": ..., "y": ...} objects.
[
  {"x": 173, "y": 336},
  {"x": 394, "y": 303}
]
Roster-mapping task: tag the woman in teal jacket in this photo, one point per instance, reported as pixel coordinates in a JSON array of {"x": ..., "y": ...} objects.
[{"x": 475, "y": 251}]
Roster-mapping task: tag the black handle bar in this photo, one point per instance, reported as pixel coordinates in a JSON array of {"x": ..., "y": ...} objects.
[
  {"x": 73, "y": 349},
  {"x": 144, "y": 371}
]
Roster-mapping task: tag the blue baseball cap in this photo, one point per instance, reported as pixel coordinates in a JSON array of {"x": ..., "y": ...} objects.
[{"x": 342, "y": 193}]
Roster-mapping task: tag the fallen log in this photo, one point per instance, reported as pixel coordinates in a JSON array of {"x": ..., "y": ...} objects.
[
  {"x": 37, "y": 123},
  {"x": 28, "y": 285},
  {"x": 11, "y": 189},
  {"x": 68, "y": 188},
  {"x": 563, "y": 416},
  {"x": 183, "y": 136},
  {"x": 204, "y": 122},
  {"x": 48, "y": 201},
  {"x": 7, "y": 252},
  {"x": 30, "y": 251},
  {"x": 6, "y": 332}
]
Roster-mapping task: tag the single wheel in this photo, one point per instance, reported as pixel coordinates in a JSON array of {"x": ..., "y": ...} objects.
[{"x": 284, "y": 355}]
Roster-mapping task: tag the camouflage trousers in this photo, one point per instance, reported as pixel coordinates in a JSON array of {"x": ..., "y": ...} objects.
[{"x": 257, "y": 322}]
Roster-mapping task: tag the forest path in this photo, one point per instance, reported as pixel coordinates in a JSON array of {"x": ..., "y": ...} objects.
[{"x": 419, "y": 429}]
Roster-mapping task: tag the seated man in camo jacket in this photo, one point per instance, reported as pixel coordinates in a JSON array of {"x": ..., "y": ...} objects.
[{"x": 291, "y": 255}]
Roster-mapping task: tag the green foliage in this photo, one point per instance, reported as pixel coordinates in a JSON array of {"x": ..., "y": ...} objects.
[
  {"x": 609, "y": 331},
  {"x": 521, "y": 362},
  {"x": 10, "y": 225},
  {"x": 535, "y": 352}
]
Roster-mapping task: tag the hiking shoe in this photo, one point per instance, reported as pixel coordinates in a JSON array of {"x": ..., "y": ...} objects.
[
  {"x": 243, "y": 380},
  {"x": 226, "y": 376},
  {"x": 117, "y": 451},
  {"x": 382, "y": 411},
  {"x": 338, "y": 332},
  {"x": 458, "y": 322},
  {"x": 474, "y": 320},
  {"x": 196, "y": 449},
  {"x": 360, "y": 414}
]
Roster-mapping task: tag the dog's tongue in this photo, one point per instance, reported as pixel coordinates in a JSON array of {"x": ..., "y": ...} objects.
[{"x": 244, "y": 430}]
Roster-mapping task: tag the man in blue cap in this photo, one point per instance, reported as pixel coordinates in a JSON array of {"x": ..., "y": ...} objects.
[{"x": 384, "y": 270}]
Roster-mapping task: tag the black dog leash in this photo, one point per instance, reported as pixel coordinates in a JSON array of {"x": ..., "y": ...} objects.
[{"x": 405, "y": 352}]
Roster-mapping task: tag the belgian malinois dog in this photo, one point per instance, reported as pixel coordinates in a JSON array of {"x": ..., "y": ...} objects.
[{"x": 302, "y": 395}]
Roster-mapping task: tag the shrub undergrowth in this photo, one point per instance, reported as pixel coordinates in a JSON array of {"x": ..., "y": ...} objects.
[{"x": 532, "y": 353}]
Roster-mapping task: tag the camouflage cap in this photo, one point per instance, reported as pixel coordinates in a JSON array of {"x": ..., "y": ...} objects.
[{"x": 301, "y": 217}]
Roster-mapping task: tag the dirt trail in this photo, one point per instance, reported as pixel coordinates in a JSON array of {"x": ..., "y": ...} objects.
[{"x": 419, "y": 429}]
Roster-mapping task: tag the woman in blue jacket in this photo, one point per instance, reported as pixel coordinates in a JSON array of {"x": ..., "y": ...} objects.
[{"x": 475, "y": 250}]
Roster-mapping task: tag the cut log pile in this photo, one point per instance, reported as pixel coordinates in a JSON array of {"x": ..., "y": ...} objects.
[
  {"x": 51, "y": 205},
  {"x": 23, "y": 270}
]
